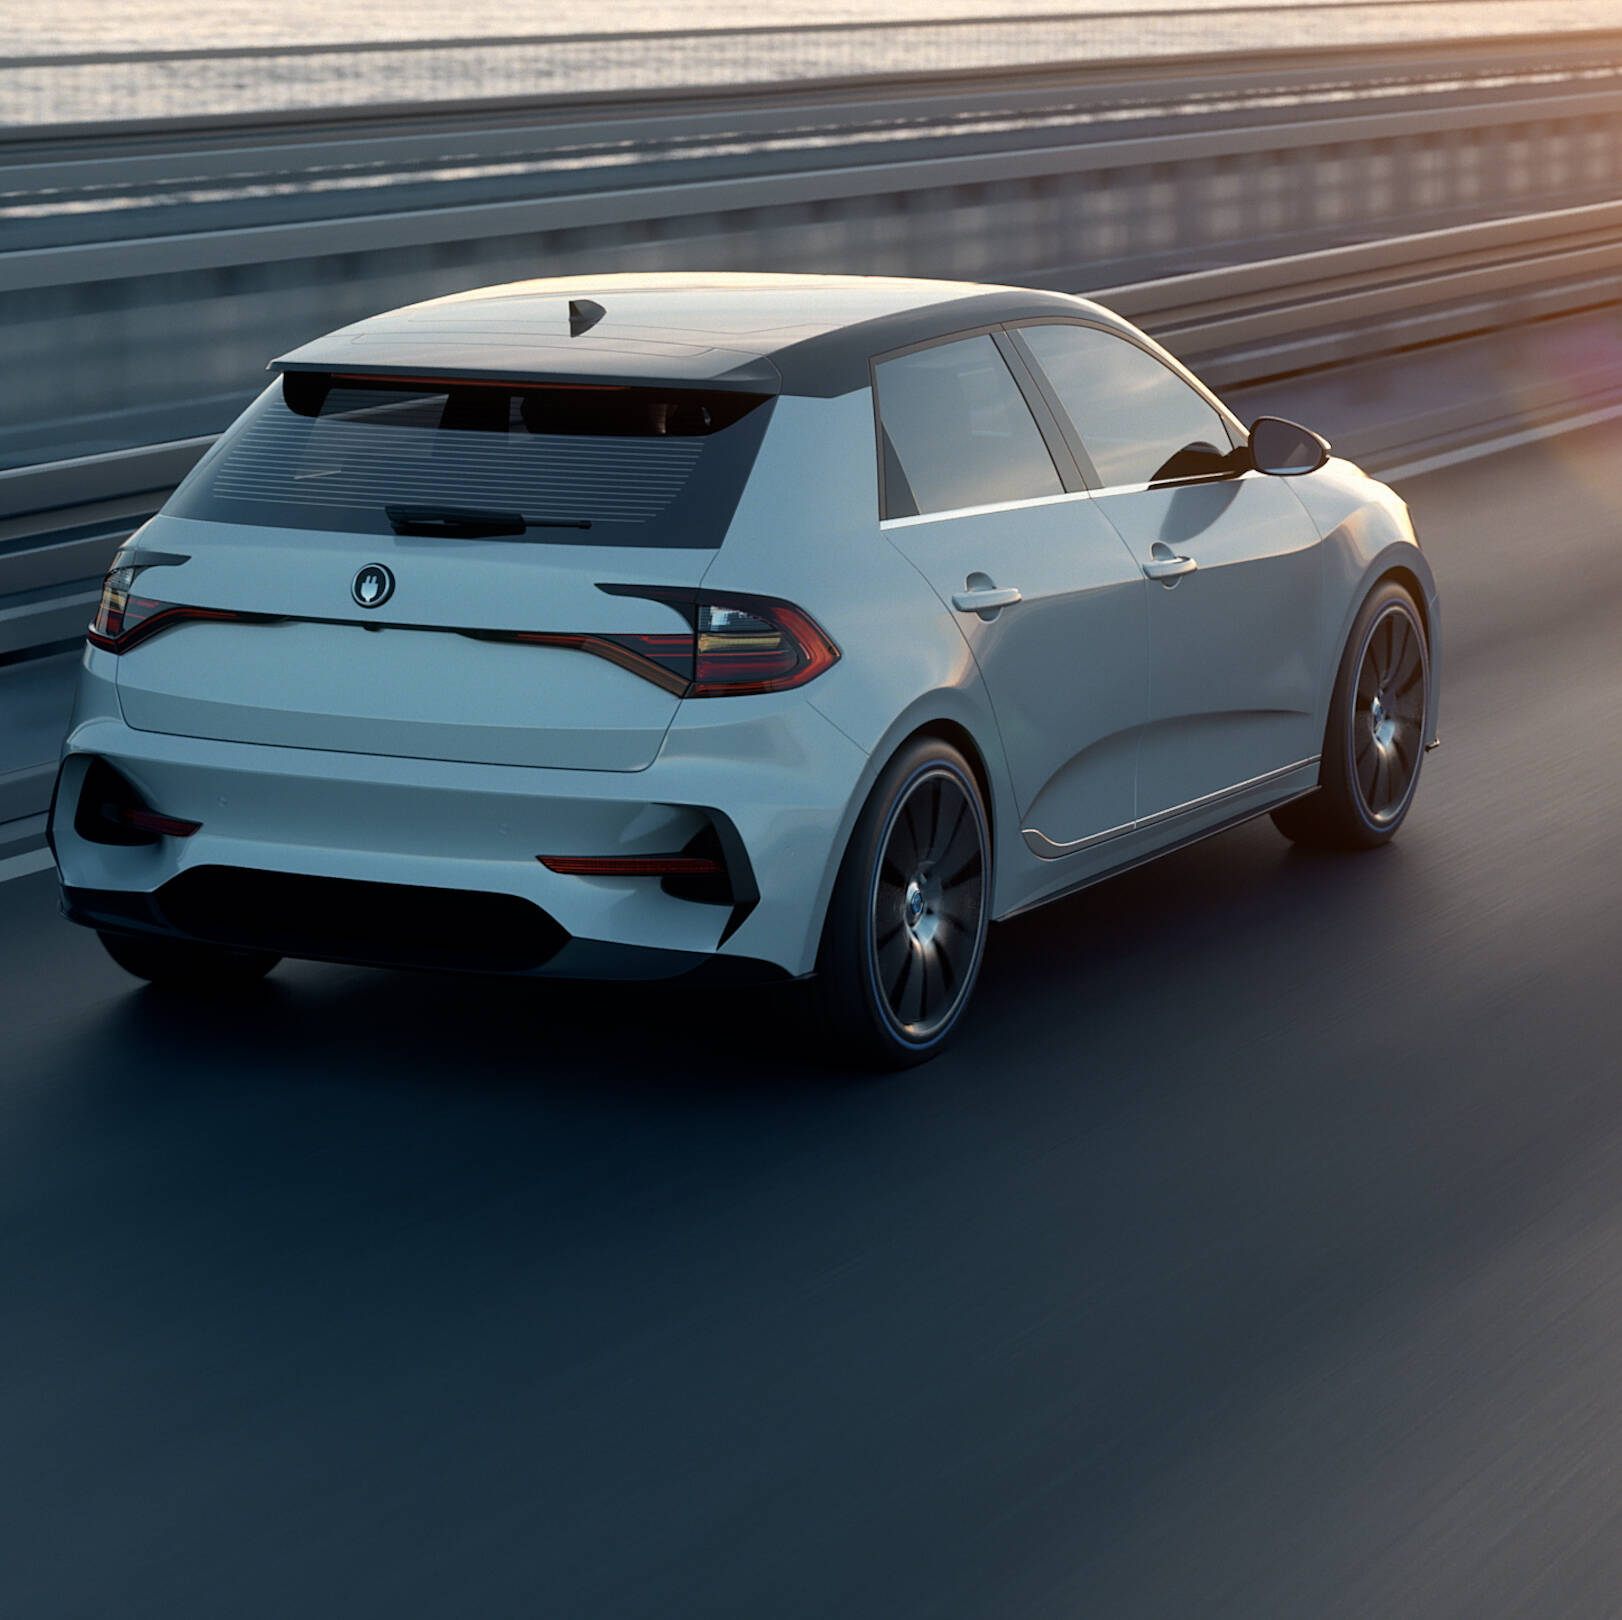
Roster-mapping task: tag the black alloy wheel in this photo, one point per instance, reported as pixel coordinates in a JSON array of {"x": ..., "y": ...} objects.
[
  {"x": 906, "y": 928},
  {"x": 1387, "y": 734},
  {"x": 1375, "y": 739}
]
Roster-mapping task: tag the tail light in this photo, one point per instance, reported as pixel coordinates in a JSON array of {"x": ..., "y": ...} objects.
[
  {"x": 631, "y": 865},
  {"x": 123, "y": 620},
  {"x": 738, "y": 645},
  {"x": 735, "y": 645},
  {"x": 712, "y": 868}
]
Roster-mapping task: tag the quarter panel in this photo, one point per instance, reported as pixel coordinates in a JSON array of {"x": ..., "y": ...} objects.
[{"x": 807, "y": 529}]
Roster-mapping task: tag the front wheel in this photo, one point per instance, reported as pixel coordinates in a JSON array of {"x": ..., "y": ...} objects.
[
  {"x": 906, "y": 927},
  {"x": 178, "y": 964},
  {"x": 1375, "y": 739}
]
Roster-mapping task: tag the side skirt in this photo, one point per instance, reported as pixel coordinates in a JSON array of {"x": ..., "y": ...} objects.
[{"x": 1144, "y": 857}]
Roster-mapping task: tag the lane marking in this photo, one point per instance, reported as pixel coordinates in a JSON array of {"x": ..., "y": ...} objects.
[
  {"x": 16, "y": 866},
  {"x": 1491, "y": 447}
]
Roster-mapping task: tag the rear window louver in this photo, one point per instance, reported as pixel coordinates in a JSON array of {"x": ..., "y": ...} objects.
[
  {"x": 337, "y": 463},
  {"x": 625, "y": 465}
]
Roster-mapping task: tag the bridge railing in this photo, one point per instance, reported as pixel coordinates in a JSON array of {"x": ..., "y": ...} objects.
[
  {"x": 102, "y": 86},
  {"x": 60, "y": 523},
  {"x": 164, "y": 336}
]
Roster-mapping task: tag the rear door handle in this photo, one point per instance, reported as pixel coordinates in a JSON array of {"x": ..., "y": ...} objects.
[
  {"x": 1169, "y": 568},
  {"x": 986, "y": 597}
]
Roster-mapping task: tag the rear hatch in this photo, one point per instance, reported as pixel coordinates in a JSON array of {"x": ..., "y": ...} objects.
[{"x": 420, "y": 562}]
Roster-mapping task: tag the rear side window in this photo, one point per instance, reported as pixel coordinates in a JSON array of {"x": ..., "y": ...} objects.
[
  {"x": 592, "y": 464},
  {"x": 956, "y": 431},
  {"x": 1136, "y": 418}
]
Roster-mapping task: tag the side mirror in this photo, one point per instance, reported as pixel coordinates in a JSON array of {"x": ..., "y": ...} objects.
[{"x": 1286, "y": 449}]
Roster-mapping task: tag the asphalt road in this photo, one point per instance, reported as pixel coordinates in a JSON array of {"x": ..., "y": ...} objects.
[{"x": 1258, "y": 1253}]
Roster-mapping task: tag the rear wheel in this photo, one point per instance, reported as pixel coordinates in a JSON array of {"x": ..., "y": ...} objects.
[
  {"x": 178, "y": 964},
  {"x": 1375, "y": 738},
  {"x": 906, "y": 926}
]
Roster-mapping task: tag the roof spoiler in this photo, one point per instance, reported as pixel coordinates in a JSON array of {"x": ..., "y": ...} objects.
[{"x": 583, "y": 368}]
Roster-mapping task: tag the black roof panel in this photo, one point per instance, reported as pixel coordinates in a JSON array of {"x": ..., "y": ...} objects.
[{"x": 793, "y": 334}]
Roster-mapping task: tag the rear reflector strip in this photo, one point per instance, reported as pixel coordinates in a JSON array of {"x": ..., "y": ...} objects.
[
  {"x": 150, "y": 821},
  {"x": 630, "y": 865}
]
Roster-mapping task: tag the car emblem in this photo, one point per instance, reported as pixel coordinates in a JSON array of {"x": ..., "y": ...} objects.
[{"x": 373, "y": 586}]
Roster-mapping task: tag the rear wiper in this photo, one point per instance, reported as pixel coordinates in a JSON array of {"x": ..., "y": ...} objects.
[{"x": 470, "y": 523}]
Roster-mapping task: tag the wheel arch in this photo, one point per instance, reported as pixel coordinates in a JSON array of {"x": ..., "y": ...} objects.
[
  {"x": 980, "y": 750},
  {"x": 962, "y": 739},
  {"x": 1401, "y": 574}
]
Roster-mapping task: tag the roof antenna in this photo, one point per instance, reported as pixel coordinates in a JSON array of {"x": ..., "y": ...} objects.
[{"x": 584, "y": 313}]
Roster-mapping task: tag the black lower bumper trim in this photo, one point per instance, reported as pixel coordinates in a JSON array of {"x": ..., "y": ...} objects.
[
  {"x": 386, "y": 925},
  {"x": 333, "y": 919}
]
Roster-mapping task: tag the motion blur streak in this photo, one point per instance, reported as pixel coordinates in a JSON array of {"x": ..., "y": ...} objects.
[{"x": 1255, "y": 1255}]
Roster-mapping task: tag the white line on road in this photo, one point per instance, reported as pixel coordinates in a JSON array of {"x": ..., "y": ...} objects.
[
  {"x": 36, "y": 860},
  {"x": 1491, "y": 447}
]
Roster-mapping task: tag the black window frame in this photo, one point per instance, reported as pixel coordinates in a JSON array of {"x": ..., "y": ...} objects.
[
  {"x": 1238, "y": 437},
  {"x": 1059, "y": 443}
]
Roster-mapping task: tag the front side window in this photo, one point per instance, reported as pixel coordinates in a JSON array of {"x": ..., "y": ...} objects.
[
  {"x": 1136, "y": 418},
  {"x": 956, "y": 432}
]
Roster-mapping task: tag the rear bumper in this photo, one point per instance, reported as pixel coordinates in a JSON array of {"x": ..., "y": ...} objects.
[{"x": 776, "y": 775}]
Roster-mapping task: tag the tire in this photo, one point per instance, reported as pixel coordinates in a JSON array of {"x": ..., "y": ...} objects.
[
  {"x": 177, "y": 964},
  {"x": 1374, "y": 742},
  {"x": 906, "y": 926}
]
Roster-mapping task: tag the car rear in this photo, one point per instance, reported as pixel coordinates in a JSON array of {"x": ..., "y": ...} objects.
[{"x": 390, "y": 678}]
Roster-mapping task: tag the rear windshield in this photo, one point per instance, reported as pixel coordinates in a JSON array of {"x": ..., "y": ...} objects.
[{"x": 561, "y": 463}]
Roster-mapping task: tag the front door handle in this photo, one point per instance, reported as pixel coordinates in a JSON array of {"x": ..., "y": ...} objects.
[
  {"x": 1166, "y": 567},
  {"x": 986, "y": 598}
]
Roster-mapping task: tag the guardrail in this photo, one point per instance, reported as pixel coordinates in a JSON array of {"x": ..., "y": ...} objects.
[
  {"x": 1238, "y": 324},
  {"x": 90, "y": 87},
  {"x": 171, "y": 330}
]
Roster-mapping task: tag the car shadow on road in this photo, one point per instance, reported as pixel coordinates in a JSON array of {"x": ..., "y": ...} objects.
[{"x": 1103, "y": 974}]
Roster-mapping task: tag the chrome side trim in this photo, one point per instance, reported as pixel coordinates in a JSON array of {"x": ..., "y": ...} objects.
[
  {"x": 980, "y": 511},
  {"x": 1143, "y": 857},
  {"x": 1040, "y": 844},
  {"x": 1175, "y": 483},
  {"x": 1050, "y": 849}
]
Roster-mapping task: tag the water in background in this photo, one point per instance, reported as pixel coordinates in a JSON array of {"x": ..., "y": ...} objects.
[
  {"x": 40, "y": 27},
  {"x": 35, "y": 92}
]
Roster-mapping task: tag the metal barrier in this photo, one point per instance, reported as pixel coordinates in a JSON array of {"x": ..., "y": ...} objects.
[
  {"x": 167, "y": 333},
  {"x": 97, "y": 86},
  {"x": 1237, "y": 324}
]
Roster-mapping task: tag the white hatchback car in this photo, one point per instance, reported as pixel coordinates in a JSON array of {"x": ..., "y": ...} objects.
[{"x": 726, "y": 626}]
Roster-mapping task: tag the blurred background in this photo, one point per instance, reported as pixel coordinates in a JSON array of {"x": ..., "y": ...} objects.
[{"x": 1253, "y": 1255}]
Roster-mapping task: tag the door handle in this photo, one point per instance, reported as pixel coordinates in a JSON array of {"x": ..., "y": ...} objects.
[
  {"x": 1169, "y": 569},
  {"x": 986, "y": 598}
]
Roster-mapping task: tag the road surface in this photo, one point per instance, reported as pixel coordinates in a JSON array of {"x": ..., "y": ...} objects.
[{"x": 1257, "y": 1253}]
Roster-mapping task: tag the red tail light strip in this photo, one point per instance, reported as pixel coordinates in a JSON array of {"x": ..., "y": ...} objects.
[
  {"x": 736, "y": 645},
  {"x": 664, "y": 659},
  {"x": 118, "y": 626}
]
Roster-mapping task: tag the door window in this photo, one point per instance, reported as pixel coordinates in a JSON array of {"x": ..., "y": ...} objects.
[
  {"x": 956, "y": 431},
  {"x": 1137, "y": 419}
]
